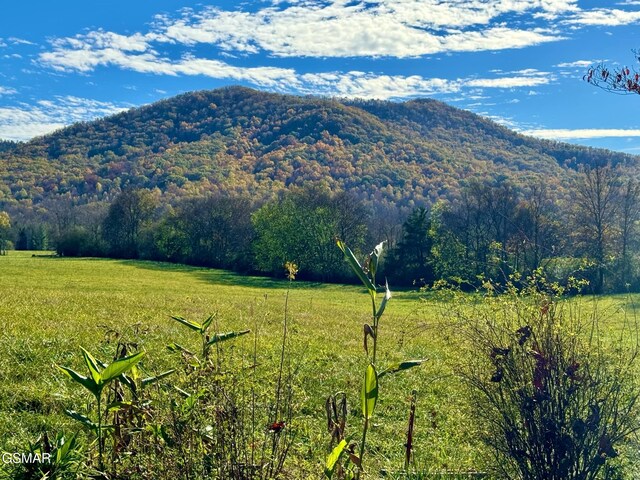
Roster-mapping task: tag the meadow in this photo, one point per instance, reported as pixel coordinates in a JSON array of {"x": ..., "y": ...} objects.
[{"x": 50, "y": 307}]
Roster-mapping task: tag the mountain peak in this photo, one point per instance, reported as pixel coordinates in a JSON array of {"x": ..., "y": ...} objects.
[{"x": 236, "y": 139}]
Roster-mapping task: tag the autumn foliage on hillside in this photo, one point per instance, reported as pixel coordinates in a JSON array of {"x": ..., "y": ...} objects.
[{"x": 242, "y": 141}]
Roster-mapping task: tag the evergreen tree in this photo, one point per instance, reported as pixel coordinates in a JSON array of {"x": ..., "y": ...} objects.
[
  {"x": 22, "y": 243},
  {"x": 412, "y": 262},
  {"x": 39, "y": 239}
]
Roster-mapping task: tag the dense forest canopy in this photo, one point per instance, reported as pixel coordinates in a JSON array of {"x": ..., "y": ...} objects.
[{"x": 238, "y": 140}]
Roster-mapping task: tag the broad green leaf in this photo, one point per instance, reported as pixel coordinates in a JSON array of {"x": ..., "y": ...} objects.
[
  {"x": 120, "y": 366},
  {"x": 356, "y": 267},
  {"x": 369, "y": 394},
  {"x": 383, "y": 304},
  {"x": 207, "y": 323},
  {"x": 188, "y": 323},
  {"x": 221, "y": 337},
  {"x": 92, "y": 364},
  {"x": 189, "y": 403},
  {"x": 375, "y": 258},
  {"x": 154, "y": 379},
  {"x": 333, "y": 458},
  {"x": 134, "y": 373},
  {"x": 87, "y": 383},
  {"x": 398, "y": 367},
  {"x": 64, "y": 446},
  {"x": 82, "y": 419}
]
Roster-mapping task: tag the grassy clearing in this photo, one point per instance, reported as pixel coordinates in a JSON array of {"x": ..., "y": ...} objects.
[{"x": 49, "y": 307}]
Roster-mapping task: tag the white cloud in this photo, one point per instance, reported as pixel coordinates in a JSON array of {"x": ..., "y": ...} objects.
[
  {"x": 20, "y": 41},
  {"x": 579, "y": 64},
  {"x": 504, "y": 121},
  {"x": 26, "y": 121},
  {"x": 340, "y": 28},
  {"x": 17, "y": 127},
  {"x": 335, "y": 28},
  {"x": 529, "y": 77},
  {"x": 369, "y": 85},
  {"x": 345, "y": 84},
  {"x": 508, "y": 82},
  {"x": 100, "y": 49},
  {"x": 565, "y": 134},
  {"x": 138, "y": 58},
  {"x": 7, "y": 91},
  {"x": 604, "y": 17},
  {"x": 401, "y": 28}
]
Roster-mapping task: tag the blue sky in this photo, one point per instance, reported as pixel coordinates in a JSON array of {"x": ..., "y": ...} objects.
[{"x": 518, "y": 62}]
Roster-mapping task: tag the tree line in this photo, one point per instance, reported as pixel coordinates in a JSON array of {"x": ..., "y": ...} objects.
[{"x": 493, "y": 230}]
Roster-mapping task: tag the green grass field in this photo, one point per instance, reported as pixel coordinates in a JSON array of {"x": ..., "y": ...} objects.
[{"x": 50, "y": 307}]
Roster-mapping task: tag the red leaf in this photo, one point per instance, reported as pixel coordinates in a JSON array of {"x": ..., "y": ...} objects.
[{"x": 276, "y": 427}]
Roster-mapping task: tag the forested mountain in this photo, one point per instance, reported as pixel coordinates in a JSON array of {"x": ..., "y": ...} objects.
[
  {"x": 242, "y": 179},
  {"x": 243, "y": 141}
]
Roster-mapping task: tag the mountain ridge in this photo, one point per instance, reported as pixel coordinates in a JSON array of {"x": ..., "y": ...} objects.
[{"x": 240, "y": 140}]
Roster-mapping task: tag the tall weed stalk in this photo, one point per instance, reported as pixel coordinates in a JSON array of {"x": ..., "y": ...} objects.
[{"x": 354, "y": 466}]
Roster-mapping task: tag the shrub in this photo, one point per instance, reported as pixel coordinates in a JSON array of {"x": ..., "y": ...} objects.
[
  {"x": 77, "y": 242},
  {"x": 554, "y": 398}
]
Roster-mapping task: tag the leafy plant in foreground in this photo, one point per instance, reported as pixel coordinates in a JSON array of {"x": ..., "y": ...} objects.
[
  {"x": 369, "y": 393},
  {"x": 226, "y": 425},
  {"x": 130, "y": 414},
  {"x": 203, "y": 329},
  {"x": 553, "y": 397},
  {"x": 65, "y": 459},
  {"x": 100, "y": 375},
  {"x": 206, "y": 423}
]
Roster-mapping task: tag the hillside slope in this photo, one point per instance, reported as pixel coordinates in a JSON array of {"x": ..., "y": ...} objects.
[{"x": 245, "y": 141}]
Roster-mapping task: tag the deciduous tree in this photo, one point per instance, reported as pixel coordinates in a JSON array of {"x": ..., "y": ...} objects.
[
  {"x": 629, "y": 215},
  {"x": 127, "y": 215},
  {"x": 596, "y": 206},
  {"x": 302, "y": 226},
  {"x": 5, "y": 230}
]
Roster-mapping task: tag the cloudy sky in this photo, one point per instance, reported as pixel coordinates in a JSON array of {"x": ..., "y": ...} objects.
[{"x": 519, "y": 62}]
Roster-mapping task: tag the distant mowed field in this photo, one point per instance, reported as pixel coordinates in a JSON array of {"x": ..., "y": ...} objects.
[{"x": 50, "y": 307}]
